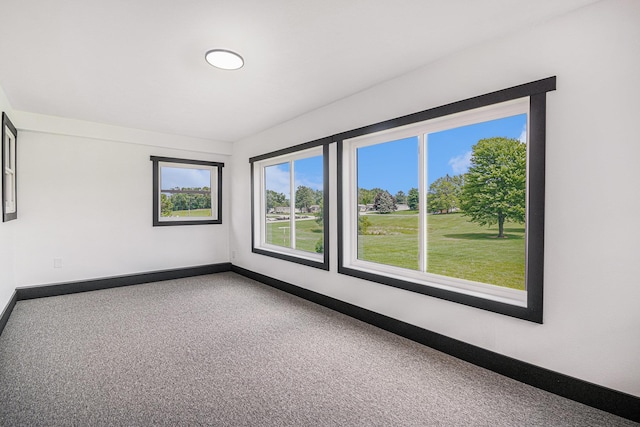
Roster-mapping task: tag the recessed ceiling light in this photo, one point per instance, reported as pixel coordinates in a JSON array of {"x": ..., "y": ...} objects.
[{"x": 225, "y": 59}]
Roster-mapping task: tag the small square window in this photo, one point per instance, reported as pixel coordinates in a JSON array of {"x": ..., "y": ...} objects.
[{"x": 186, "y": 192}]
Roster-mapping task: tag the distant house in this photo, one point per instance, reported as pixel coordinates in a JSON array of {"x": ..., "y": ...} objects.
[
  {"x": 283, "y": 210},
  {"x": 314, "y": 208}
]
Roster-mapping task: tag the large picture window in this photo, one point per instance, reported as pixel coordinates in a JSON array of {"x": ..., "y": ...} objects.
[
  {"x": 450, "y": 202},
  {"x": 290, "y": 202},
  {"x": 186, "y": 192}
]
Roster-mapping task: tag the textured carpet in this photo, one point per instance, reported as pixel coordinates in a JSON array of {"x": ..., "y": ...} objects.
[{"x": 227, "y": 351}]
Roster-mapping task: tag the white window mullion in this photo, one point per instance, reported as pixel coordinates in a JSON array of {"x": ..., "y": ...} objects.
[
  {"x": 422, "y": 200},
  {"x": 292, "y": 206},
  {"x": 262, "y": 206},
  {"x": 353, "y": 178}
]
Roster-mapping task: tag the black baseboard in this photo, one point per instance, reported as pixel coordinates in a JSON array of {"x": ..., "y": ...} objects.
[
  {"x": 4, "y": 318},
  {"x": 40, "y": 291},
  {"x": 612, "y": 401}
]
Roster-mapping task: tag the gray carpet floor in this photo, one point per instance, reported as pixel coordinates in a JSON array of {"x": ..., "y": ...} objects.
[{"x": 224, "y": 350}]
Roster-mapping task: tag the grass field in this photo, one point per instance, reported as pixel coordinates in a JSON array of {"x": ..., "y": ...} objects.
[
  {"x": 192, "y": 212},
  {"x": 308, "y": 232},
  {"x": 455, "y": 247}
]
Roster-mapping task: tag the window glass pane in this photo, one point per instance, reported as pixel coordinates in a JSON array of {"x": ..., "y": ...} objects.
[
  {"x": 476, "y": 193},
  {"x": 277, "y": 197},
  {"x": 185, "y": 192},
  {"x": 308, "y": 176},
  {"x": 7, "y": 151},
  {"x": 8, "y": 191},
  {"x": 9, "y": 172},
  {"x": 388, "y": 211},
  {"x": 11, "y": 159}
]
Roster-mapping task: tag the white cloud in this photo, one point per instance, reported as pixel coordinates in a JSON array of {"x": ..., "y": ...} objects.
[
  {"x": 308, "y": 182},
  {"x": 173, "y": 177},
  {"x": 460, "y": 164},
  {"x": 278, "y": 179},
  {"x": 523, "y": 134}
]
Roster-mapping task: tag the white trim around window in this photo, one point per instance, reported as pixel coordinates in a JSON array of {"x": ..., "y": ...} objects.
[{"x": 420, "y": 131}]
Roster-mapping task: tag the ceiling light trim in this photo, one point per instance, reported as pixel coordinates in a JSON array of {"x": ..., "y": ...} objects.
[{"x": 224, "y": 59}]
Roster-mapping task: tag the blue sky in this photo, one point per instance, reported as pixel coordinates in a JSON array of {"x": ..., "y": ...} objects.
[
  {"x": 393, "y": 166},
  {"x": 184, "y": 177},
  {"x": 308, "y": 172}
]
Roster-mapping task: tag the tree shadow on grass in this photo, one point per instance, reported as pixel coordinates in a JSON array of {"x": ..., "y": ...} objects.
[
  {"x": 484, "y": 236},
  {"x": 514, "y": 230}
]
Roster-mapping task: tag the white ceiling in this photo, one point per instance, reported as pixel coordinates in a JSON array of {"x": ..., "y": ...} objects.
[{"x": 140, "y": 63}]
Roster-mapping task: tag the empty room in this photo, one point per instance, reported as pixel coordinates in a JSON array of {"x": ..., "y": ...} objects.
[{"x": 309, "y": 213}]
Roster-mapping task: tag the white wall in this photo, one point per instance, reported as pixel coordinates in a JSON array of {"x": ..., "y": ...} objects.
[
  {"x": 85, "y": 196},
  {"x": 7, "y": 232},
  {"x": 591, "y": 316}
]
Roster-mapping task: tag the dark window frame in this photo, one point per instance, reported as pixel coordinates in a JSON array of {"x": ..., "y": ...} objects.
[
  {"x": 7, "y": 124},
  {"x": 536, "y": 92},
  {"x": 156, "y": 191},
  {"x": 255, "y": 248}
]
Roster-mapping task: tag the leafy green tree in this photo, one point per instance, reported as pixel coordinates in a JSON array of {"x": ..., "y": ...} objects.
[
  {"x": 413, "y": 199},
  {"x": 401, "y": 198},
  {"x": 320, "y": 214},
  {"x": 363, "y": 224},
  {"x": 367, "y": 197},
  {"x": 305, "y": 197},
  {"x": 275, "y": 199},
  {"x": 494, "y": 188},
  {"x": 444, "y": 194},
  {"x": 384, "y": 202},
  {"x": 166, "y": 206},
  {"x": 186, "y": 198},
  {"x": 180, "y": 202},
  {"x": 364, "y": 196}
]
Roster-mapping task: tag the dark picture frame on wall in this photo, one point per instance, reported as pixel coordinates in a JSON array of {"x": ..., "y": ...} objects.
[{"x": 9, "y": 168}]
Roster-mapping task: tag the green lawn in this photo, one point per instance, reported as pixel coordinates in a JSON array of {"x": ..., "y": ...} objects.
[
  {"x": 192, "y": 212},
  {"x": 395, "y": 213},
  {"x": 391, "y": 239},
  {"x": 455, "y": 248},
  {"x": 308, "y": 232}
]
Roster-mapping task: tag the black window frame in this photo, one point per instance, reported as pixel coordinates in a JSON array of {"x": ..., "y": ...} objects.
[
  {"x": 536, "y": 92},
  {"x": 255, "y": 246},
  {"x": 8, "y": 125},
  {"x": 156, "y": 191}
]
